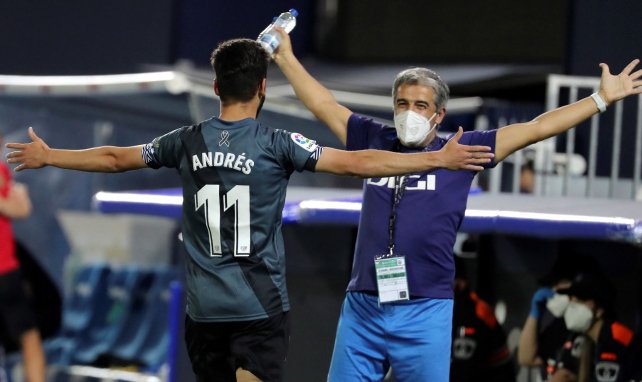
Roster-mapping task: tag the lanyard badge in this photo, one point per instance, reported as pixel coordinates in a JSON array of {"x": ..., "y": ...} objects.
[
  {"x": 390, "y": 269},
  {"x": 392, "y": 280}
]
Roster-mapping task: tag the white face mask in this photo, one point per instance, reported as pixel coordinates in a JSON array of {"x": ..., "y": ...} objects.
[
  {"x": 413, "y": 128},
  {"x": 578, "y": 317},
  {"x": 557, "y": 304}
]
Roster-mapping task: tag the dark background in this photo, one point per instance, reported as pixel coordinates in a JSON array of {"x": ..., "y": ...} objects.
[
  {"x": 91, "y": 37},
  {"x": 76, "y": 37}
]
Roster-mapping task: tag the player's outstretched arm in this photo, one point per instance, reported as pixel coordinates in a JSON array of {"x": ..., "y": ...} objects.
[
  {"x": 377, "y": 163},
  {"x": 612, "y": 89},
  {"x": 318, "y": 99},
  {"x": 37, "y": 154}
]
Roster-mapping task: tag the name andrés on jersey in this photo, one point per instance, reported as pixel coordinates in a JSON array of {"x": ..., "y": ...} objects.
[{"x": 219, "y": 159}]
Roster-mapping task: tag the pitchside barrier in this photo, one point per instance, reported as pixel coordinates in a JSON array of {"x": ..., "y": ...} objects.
[{"x": 559, "y": 171}]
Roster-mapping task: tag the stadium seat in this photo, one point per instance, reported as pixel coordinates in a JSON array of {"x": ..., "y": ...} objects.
[
  {"x": 113, "y": 313},
  {"x": 144, "y": 340},
  {"x": 81, "y": 306}
]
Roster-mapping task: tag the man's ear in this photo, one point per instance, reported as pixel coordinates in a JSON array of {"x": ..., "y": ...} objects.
[
  {"x": 262, "y": 87},
  {"x": 441, "y": 114},
  {"x": 215, "y": 87}
]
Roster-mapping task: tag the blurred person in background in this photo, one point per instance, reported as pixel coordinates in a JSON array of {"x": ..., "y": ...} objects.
[
  {"x": 527, "y": 177},
  {"x": 413, "y": 220},
  {"x": 18, "y": 326},
  {"x": 544, "y": 330},
  {"x": 479, "y": 351},
  {"x": 234, "y": 172},
  {"x": 598, "y": 348}
]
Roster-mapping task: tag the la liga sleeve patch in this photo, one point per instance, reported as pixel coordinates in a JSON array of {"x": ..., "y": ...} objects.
[{"x": 305, "y": 143}]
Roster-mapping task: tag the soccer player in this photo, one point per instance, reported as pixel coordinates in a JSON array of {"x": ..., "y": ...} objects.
[
  {"x": 17, "y": 317},
  {"x": 412, "y": 221},
  {"x": 234, "y": 173}
]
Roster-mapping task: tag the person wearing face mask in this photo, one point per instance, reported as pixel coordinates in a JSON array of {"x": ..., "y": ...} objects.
[
  {"x": 413, "y": 128},
  {"x": 544, "y": 331},
  {"x": 398, "y": 307},
  {"x": 234, "y": 172},
  {"x": 598, "y": 348}
]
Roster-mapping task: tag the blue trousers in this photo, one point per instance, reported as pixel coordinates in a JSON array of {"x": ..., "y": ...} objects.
[{"x": 413, "y": 337}]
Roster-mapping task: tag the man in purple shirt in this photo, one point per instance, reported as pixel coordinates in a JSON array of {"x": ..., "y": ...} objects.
[{"x": 398, "y": 309}]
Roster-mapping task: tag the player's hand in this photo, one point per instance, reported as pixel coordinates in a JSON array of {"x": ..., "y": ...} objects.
[
  {"x": 464, "y": 157},
  {"x": 615, "y": 87},
  {"x": 29, "y": 155}
]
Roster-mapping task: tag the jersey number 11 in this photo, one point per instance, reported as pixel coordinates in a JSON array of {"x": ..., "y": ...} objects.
[{"x": 239, "y": 198}]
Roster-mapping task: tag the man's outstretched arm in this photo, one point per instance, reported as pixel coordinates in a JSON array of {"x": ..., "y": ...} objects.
[
  {"x": 38, "y": 154},
  {"x": 612, "y": 89},
  {"x": 377, "y": 163},
  {"x": 314, "y": 96}
]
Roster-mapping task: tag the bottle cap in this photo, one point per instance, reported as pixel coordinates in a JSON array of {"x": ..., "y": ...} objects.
[{"x": 294, "y": 12}]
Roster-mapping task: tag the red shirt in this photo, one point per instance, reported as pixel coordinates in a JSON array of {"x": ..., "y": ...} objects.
[{"x": 8, "y": 260}]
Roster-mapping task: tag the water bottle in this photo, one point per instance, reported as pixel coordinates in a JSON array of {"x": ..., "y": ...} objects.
[{"x": 270, "y": 38}]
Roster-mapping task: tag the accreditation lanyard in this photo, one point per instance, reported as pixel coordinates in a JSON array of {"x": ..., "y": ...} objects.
[{"x": 390, "y": 268}]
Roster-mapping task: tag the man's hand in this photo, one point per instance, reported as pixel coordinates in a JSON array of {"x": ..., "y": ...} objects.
[
  {"x": 28, "y": 155},
  {"x": 285, "y": 45},
  {"x": 538, "y": 301},
  {"x": 464, "y": 157},
  {"x": 613, "y": 88}
]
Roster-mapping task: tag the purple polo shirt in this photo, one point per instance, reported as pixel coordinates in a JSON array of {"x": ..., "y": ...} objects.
[{"x": 428, "y": 215}]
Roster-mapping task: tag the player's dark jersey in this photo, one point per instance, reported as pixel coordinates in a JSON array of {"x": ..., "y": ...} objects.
[
  {"x": 634, "y": 361},
  {"x": 609, "y": 355},
  {"x": 551, "y": 336},
  {"x": 479, "y": 351},
  {"x": 234, "y": 177}
]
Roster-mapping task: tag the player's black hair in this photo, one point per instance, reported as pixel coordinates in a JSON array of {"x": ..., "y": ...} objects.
[{"x": 240, "y": 65}]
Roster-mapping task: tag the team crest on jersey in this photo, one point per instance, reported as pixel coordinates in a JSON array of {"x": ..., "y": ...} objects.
[
  {"x": 607, "y": 371},
  {"x": 304, "y": 142}
]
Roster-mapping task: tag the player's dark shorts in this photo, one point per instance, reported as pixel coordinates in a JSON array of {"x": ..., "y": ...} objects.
[
  {"x": 16, "y": 309},
  {"x": 217, "y": 349}
]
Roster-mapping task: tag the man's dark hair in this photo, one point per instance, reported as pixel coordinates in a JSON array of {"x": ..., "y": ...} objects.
[{"x": 240, "y": 65}]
